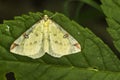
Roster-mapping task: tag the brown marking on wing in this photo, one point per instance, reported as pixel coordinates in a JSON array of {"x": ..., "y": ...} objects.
[
  {"x": 25, "y": 35},
  {"x": 31, "y": 43},
  {"x": 35, "y": 42},
  {"x": 13, "y": 46},
  {"x": 36, "y": 34},
  {"x": 77, "y": 45},
  {"x": 66, "y": 35},
  {"x": 55, "y": 34},
  {"x": 56, "y": 41}
]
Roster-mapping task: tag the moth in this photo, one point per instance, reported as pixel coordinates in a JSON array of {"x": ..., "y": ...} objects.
[{"x": 45, "y": 36}]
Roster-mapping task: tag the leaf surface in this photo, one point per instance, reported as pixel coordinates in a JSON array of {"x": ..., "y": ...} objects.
[{"x": 95, "y": 61}]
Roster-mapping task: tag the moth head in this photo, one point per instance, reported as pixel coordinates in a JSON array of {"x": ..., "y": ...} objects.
[{"x": 45, "y": 17}]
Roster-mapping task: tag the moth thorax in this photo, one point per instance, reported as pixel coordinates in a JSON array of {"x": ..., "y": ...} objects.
[{"x": 46, "y": 24}]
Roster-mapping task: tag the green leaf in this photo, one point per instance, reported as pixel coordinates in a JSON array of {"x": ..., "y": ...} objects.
[
  {"x": 67, "y": 7},
  {"x": 92, "y": 3},
  {"x": 112, "y": 11},
  {"x": 95, "y": 62},
  {"x": 80, "y": 5}
]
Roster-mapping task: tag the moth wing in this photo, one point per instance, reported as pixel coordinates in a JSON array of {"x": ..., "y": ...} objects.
[
  {"x": 30, "y": 43},
  {"x": 61, "y": 42}
]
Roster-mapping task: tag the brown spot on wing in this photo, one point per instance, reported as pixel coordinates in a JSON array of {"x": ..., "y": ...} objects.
[
  {"x": 13, "y": 46},
  {"x": 77, "y": 45},
  {"x": 56, "y": 41},
  {"x": 55, "y": 34},
  {"x": 36, "y": 34},
  {"x": 30, "y": 43},
  {"x": 66, "y": 35},
  {"x": 25, "y": 35},
  {"x": 35, "y": 42}
]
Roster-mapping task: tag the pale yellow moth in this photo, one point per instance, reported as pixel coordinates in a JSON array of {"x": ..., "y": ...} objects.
[{"x": 45, "y": 36}]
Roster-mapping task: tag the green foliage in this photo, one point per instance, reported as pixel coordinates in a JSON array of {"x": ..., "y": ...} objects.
[
  {"x": 83, "y": 11},
  {"x": 92, "y": 3},
  {"x": 112, "y": 11},
  {"x": 67, "y": 6},
  {"x": 96, "y": 61}
]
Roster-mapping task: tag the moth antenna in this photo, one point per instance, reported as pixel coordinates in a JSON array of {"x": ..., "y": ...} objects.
[{"x": 53, "y": 15}]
